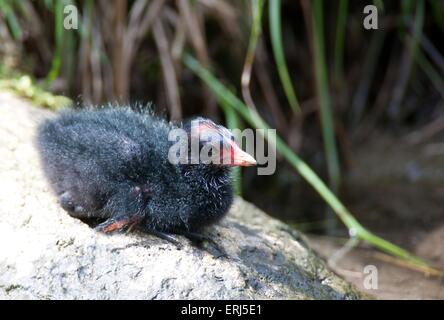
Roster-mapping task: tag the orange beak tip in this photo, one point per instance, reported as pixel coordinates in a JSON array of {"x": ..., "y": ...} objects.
[{"x": 243, "y": 159}]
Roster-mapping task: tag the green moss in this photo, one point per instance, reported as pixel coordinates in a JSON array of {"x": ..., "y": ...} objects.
[{"x": 25, "y": 86}]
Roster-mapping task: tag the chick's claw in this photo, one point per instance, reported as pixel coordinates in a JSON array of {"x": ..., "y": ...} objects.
[
  {"x": 199, "y": 240},
  {"x": 166, "y": 236}
]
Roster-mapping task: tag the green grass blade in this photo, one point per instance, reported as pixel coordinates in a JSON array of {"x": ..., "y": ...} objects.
[
  {"x": 438, "y": 13},
  {"x": 8, "y": 12},
  {"x": 257, "y": 9},
  {"x": 328, "y": 131},
  {"x": 49, "y": 4},
  {"x": 434, "y": 75},
  {"x": 58, "y": 29},
  {"x": 227, "y": 98},
  {"x": 278, "y": 52},
  {"x": 407, "y": 7},
  {"x": 415, "y": 40},
  {"x": 341, "y": 27},
  {"x": 379, "y": 4},
  {"x": 406, "y": 68}
]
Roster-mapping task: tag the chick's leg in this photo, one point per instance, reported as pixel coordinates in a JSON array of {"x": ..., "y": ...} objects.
[
  {"x": 125, "y": 209},
  {"x": 119, "y": 223}
]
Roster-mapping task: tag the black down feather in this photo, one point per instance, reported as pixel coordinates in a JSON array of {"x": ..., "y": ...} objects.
[{"x": 112, "y": 163}]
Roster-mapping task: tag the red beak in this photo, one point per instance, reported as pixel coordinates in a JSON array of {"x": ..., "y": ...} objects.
[{"x": 235, "y": 156}]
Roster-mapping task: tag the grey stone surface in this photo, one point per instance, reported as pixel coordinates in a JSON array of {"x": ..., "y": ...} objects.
[{"x": 45, "y": 254}]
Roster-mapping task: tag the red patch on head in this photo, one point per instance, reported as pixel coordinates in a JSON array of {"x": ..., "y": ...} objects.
[{"x": 206, "y": 126}]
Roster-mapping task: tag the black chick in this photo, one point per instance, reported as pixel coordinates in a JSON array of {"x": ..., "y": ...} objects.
[{"x": 112, "y": 163}]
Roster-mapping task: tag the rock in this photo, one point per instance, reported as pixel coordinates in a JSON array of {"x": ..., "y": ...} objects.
[{"x": 46, "y": 254}]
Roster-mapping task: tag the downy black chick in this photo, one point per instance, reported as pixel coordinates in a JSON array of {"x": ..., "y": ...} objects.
[{"x": 113, "y": 164}]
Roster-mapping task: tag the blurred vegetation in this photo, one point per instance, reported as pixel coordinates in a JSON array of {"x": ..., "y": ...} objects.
[
  {"x": 307, "y": 68},
  {"x": 26, "y": 87}
]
